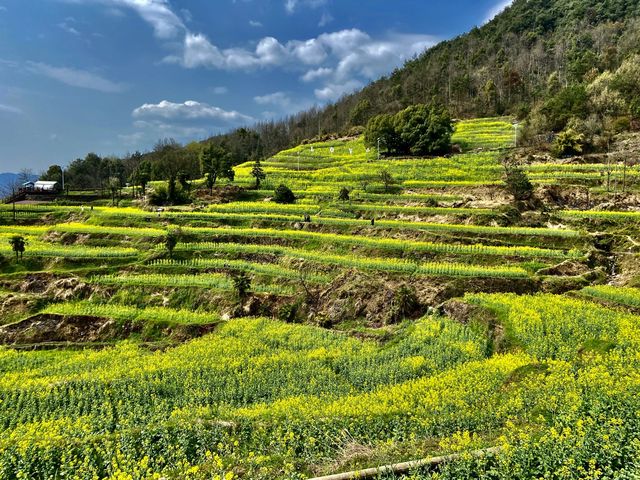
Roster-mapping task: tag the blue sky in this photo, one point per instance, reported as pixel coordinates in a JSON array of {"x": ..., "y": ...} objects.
[{"x": 112, "y": 76}]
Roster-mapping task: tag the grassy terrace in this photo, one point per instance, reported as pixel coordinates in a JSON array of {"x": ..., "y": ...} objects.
[{"x": 408, "y": 364}]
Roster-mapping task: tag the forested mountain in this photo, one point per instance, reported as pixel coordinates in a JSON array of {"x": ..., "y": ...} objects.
[
  {"x": 521, "y": 59},
  {"x": 547, "y": 61}
]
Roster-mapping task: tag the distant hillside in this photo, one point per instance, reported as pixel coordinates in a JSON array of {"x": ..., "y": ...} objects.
[{"x": 504, "y": 67}]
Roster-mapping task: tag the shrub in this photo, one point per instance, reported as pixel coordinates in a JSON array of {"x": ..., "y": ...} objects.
[
  {"x": 517, "y": 184},
  {"x": 241, "y": 283},
  {"x": 283, "y": 194},
  {"x": 343, "y": 196},
  {"x": 568, "y": 142}
]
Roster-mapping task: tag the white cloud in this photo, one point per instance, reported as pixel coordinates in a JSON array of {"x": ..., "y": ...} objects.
[
  {"x": 3, "y": 9},
  {"x": 220, "y": 90},
  {"x": 318, "y": 73},
  {"x": 186, "y": 14},
  {"x": 333, "y": 91},
  {"x": 189, "y": 110},
  {"x": 351, "y": 51},
  {"x": 255, "y": 23},
  {"x": 157, "y": 13},
  {"x": 68, "y": 27},
  {"x": 496, "y": 10},
  {"x": 325, "y": 19},
  {"x": 279, "y": 99},
  {"x": 9, "y": 109},
  {"x": 76, "y": 78},
  {"x": 291, "y": 5}
]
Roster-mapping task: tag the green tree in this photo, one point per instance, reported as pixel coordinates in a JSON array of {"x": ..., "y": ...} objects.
[
  {"x": 215, "y": 162},
  {"x": 171, "y": 241},
  {"x": 142, "y": 176},
  {"x": 114, "y": 187},
  {"x": 53, "y": 174},
  {"x": 242, "y": 284},
  {"x": 381, "y": 131},
  {"x": 343, "y": 196},
  {"x": 361, "y": 112},
  {"x": 387, "y": 179},
  {"x": 424, "y": 130},
  {"x": 517, "y": 184},
  {"x": 283, "y": 194},
  {"x": 258, "y": 173},
  {"x": 18, "y": 244}
]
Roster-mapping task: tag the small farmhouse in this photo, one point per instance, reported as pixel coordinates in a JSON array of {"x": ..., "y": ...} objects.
[{"x": 46, "y": 186}]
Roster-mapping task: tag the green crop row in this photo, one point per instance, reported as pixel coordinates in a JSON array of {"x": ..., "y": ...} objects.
[
  {"x": 401, "y": 245},
  {"x": 389, "y": 265},
  {"x": 228, "y": 264},
  {"x": 626, "y": 296},
  {"x": 132, "y": 314},
  {"x": 211, "y": 281}
]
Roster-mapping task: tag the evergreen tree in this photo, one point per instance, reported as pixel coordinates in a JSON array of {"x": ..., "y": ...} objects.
[{"x": 258, "y": 173}]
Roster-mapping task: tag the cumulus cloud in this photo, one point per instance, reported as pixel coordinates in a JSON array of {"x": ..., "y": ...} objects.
[
  {"x": 341, "y": 60},
  {"x": 496, "y": 10},
  {"x": 255, "y": 23},
  {"x": 76, "y": 78},
  {"x": 351, "y": 51},
  {"x": 189, "y": 110},
  {"x": 316, "y": 74}
]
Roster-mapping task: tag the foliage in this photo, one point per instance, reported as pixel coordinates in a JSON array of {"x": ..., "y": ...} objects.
[
  {"x": 171, "y": 239},
  {"x": 416, "y": 130},
  {"x": 517, "y": 184},
  {"x": 241, "y": 283},
  {"x": 283, "y": 195},
  {"x": 258, "y": 173},
  {"x": 215, "y": 162},
  {"x": 387, "y": 179},
  {"x": 343, "y": 196},
  {"x": 17, "y": 243},
  {"x": 568, "y": 142},
  {"x": 424, "y": 130}
]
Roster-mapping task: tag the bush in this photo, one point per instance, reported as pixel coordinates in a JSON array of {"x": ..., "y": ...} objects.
[
  {"x": 283, "y": 194},
  {"x": 568, "y": 142},
  {"x": 160, "y": 196},
  {"x": 518, "y": 185},
  {"x": 242, "y": 284}
]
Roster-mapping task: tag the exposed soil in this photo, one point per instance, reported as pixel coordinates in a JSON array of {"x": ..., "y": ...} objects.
[{"x": 43, "y": 328}]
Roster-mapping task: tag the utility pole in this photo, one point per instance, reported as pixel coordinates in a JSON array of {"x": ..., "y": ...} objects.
[
  {"x": 378, "y": 148},
  {"x": 515, "y": 134}
]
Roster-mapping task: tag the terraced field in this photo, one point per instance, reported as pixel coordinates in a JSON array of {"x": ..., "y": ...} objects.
[{"x": 272, "y": 341}]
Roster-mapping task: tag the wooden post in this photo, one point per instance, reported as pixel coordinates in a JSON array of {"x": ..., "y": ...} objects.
[{"x": 406, "y": 467}]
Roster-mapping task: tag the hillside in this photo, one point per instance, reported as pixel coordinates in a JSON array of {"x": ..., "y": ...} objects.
[
  {"x": 527, "y": 59},
  {"x": 425, "y": 312}
]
